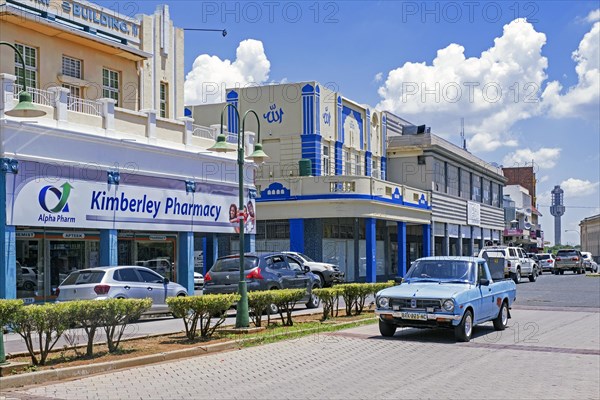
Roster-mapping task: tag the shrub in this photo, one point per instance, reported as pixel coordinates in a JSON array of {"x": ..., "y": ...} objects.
[
  {"x": 330, "y": 298},
  {"x": 202, "y": 309},
  {"x": 286, "y": 300},
  {"x": 350, "y": 294},
  {"x": 8, "y": 311},
  {"x": 89, "y": 315},
  {"x": 115, "y": 314},
  {"x": 47, "y": 321},
  {"x": 259, "y": 303}
]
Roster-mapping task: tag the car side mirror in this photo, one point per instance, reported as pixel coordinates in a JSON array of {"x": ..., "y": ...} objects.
[
  {"x": 165, "y": 281},
  {"x": 306, "y": 268},
  {"x": 484, "y": 282}
]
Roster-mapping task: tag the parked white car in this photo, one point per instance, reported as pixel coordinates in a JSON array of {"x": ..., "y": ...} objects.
[
  {"x": 587, "y": 261},
  {"x": 198, "y": 281},
  {"x": 514, "y": 260}
]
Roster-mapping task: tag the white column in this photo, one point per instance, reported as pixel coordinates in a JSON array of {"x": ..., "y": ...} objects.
[
  {"x": 7, "y": 100},
  {"x": 60, "y": 102},
  {"x": 188, "y": 129},
  {"x": 108, "y": 115}
]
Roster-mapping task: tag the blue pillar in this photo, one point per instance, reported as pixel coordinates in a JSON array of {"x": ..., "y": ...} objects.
[
  {"x": 371, "y": 250},
  {"x": 426, "y": 240},
  {"x": 210, "y": 251},
  {"x": 109, "y": 250},
  {"x": 383, "y": 168},
  {"x": 401, "y": 249},
  {"x": 313, "y": 238},
  {"x": 297, "y": 235},
  {"x": 249, "y": 243},
  {"x": 8, "y": 248},
  {"x": 368, "y": 163},
  {"x": 185, "y": 264}
]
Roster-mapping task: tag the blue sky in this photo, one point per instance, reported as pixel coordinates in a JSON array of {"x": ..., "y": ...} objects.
[{"x": 373, "y": 51}]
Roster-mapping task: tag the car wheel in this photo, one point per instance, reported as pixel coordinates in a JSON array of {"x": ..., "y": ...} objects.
[
  {"x": 386, "y": 329},
  {"x": 313, "y": 300},
  {"x": 464, "y": 330},
  {"x": 533, "y": 276},
  {"x": 501, "y": 321},
  {"x": 28, "y": 285},
  {"x": 322, "y": 278},
  {"x": 516, "y": 276}
]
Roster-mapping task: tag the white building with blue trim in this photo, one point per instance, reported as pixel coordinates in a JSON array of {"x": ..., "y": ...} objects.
[{"x": 341, "y": 209}]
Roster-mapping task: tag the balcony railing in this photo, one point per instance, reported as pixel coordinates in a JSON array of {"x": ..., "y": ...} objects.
[
  {"x": 38, "y": 96},
  {"x": 83, "y": 106}
]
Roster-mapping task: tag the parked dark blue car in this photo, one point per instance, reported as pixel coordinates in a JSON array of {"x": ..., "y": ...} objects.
[{"x": 263, "y": 272}]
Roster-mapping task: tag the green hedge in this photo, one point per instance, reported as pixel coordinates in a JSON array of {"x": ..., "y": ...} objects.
[
  {"x": 116, "y": 314},
  {"x": 354, "y": 294},
  {"x": 201, "y": 309},
  {"x": 8, "y": 310},
  {"x": 259, "y": 303},
  {"x": 286, "y": 300}
]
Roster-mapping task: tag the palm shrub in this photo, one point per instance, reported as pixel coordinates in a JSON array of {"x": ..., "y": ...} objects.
[
  {"x": 286, "y": 300},
  {"x": 201, "y": 310},
  {"x": 115, "y": 314},
  {"x": 259, "y": 303},
  {"x": 42, "y": 324}
]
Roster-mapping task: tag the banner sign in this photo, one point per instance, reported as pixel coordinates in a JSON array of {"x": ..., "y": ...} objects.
[{"x": 68, "y": 203}]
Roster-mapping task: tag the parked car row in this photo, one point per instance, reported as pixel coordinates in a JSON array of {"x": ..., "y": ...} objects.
[{"x": 513, "y": 260}]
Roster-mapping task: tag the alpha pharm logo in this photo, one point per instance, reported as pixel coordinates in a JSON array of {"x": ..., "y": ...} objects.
[{"x": 58, "y": 202}]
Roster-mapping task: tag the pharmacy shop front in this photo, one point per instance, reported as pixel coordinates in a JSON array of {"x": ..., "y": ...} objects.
[{"x": 61, "y": 223}]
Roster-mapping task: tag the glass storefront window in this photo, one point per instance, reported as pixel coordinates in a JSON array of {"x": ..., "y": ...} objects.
[
  {"x": 46, "y": 257},
  {"x": 152, "y": 250}
]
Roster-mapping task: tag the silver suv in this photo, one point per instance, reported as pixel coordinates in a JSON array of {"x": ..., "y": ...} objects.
[
  {"x": 120, "y": 282},
  {"x": 568, "y": 259}
]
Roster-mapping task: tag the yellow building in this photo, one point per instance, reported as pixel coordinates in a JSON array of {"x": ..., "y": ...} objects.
[
  {"x": 590, "y": 235},
  {"x": 113, "y": 173}
]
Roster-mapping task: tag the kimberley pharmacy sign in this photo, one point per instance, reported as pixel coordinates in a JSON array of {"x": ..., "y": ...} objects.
[{"x": 85, "y": 204}]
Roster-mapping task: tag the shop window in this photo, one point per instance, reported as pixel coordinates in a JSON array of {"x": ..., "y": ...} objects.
[
  {"x": 465, "y": 184},
  {"x": 151, "y": 250},
  {"x": 452, "y": 180},
  {"x": 439, "y": 176},
  {"x": 476, "y": 186},
  {"x": 486, "y": 195}
]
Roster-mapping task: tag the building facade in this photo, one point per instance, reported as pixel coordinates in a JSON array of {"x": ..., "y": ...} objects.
[
  {"x": 324, "y": 191},
  {"x": 113, "y": 173},
  {"x": 466, "y": 192},
  {"x": 521, "y": 220},
  {"x": 590, "y": 236}
]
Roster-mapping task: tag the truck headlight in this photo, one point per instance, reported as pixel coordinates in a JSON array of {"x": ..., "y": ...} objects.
[
  {"x": 448, "y": 305},
  {"x": 383, "y": 302}
]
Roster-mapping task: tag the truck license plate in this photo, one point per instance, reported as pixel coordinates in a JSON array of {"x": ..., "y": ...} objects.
[{"x": 414, "y": 316}]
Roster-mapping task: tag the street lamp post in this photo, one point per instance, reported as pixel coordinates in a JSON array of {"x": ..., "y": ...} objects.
[
  {"x": 25, "y": 109},
  {"x": 242, "y": 318},
  {"x": 573, "y": 230}
]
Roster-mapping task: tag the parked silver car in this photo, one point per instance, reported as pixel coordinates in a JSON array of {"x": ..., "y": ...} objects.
[{"x": 121, "y": 282}]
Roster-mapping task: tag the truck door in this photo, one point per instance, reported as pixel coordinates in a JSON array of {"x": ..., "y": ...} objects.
[{"x": 487, "y": 294}]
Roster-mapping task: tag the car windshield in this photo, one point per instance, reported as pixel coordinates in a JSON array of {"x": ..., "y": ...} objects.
[
  {"x": 493, "y": 254},
  {"x": 83, "y": 277},
  {"x": 442, "y": 270},
  {"x": 233, "y": 264},
  {"x": 566, "y": 253},
  {"x": 306, "y": 258}
]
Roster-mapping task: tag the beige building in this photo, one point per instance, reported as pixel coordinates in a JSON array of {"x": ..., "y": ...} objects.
[
  {"x": 590, "y": 235},
  {"x": 113, "y": 173}
]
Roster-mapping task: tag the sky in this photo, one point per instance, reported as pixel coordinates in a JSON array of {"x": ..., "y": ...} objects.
[{"x": 525, "y": 76}]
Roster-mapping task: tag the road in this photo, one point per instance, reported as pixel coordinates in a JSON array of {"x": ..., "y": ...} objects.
[{"x": 535, "y": 357}]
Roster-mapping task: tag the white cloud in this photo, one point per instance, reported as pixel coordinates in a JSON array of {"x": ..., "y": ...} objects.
[
  {"x": 582, "y": 99},
  {"x": 544, "y": 158},
  {"x": 593, "y": 16},
  {"x": 378, "y": 77},
  {"x": 493, "y": 91},
  {"x": 543, "y": 179},
  {"x": 210, "y": 76},
  {"x": 578, "y": 188}
]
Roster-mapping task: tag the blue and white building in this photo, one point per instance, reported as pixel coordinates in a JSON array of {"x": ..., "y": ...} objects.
[{"x": 324, "y": 191}]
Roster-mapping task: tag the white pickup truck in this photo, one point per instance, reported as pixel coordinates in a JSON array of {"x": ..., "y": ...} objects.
[{"x": 514, "y": 260}]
